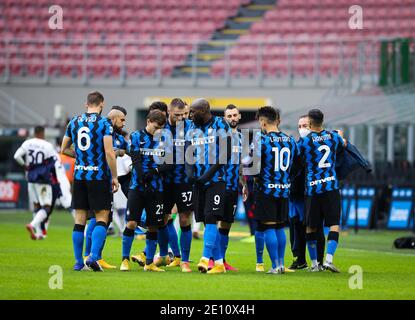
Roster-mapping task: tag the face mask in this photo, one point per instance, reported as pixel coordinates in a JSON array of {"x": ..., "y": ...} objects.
[{"x": 303, "y": 132}]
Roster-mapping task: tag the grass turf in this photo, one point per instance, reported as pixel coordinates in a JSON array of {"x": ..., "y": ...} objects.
[{"x": 24, "y": 270}]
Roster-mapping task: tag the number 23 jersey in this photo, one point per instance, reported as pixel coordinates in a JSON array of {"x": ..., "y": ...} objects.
[{"x": 87, "y": 132}]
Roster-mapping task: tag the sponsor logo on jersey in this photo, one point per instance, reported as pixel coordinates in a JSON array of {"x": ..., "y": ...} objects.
[
  {"x": 319, "y": 181},
  {"x": 152, "y": 152},
  {"x": 179, "y": 142},
  {"x": 87, "y": 168},
  {"x": 203, "y": 140},
  {"x": 279, "y": 186}
]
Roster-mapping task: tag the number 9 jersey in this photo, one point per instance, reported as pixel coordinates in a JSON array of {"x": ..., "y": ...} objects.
[
  {"x": 319, "y": 150},
  {"x": 87, "y": 132}
]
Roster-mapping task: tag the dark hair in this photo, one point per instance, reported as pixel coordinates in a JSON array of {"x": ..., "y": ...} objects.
[
  {"x": 316, "y": 117},
  {"x": 157, "y": 116},
  {"x": 95, "y": 98},
  {"x": 177, "y": 103},
  {"x": 119, "y": 109},
  {"x": 269, "y": 113},
  {"x": 158, "y": 105},
  {"x": 39, "y": 130},
  {"x": 231, "y": 107}
]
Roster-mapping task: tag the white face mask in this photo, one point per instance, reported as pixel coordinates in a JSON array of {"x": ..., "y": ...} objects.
[{"x": 303, "y": 132}]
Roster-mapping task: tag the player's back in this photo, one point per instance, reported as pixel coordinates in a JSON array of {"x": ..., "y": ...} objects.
[
  {"x": 208, "y": 149},
  {"x": 277, "y": 155},
  {"x": 37, "y": 151},
  {"x": 319, "y": 150},
  {"x": 87, "y": 132},
  {"x": 178, "y": 135}
]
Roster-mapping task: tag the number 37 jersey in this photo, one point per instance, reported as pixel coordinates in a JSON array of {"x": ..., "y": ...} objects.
[
  {"x": 87, "y": 132},
  {"x": 319, "y": 150}
]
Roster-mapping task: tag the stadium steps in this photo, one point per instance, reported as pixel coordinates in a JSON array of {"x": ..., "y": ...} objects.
[{"x": 221, "y": 39}]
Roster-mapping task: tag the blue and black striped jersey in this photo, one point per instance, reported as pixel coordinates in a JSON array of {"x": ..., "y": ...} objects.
[
  {"x": 208, "y": 151},
  {"x": 87, "y": 132},
  {"x": 119, "y": 141},
  {"x": 318, "y": 150},
  {"x": 151, "y": 151},
  {"x": 277, "y": 151},
  {"x": 234, "y": 164},
  {"x": 178, "y": 132}
]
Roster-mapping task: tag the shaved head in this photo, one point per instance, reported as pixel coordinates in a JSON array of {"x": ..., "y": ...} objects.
[
  {"x": 200, "y": 111},
  {"x": 117, "y": 118},
  {"x": 115, "y": 114}
]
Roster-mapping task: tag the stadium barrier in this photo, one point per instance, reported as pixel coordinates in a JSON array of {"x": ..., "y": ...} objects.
[
  {"x": 402, "y": 209},
  {"x": 13, "y": 195},
  {"x": 122, "y": 60}
]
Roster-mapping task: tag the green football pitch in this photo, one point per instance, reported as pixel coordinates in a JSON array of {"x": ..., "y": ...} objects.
[{"x": 25, "y": 267}]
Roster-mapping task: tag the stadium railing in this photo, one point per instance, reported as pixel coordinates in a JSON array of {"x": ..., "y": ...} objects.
[{"x": 257, "y": 60}]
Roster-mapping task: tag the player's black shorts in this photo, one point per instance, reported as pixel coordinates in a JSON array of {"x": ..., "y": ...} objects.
[
  {"x": 152, "y": 202},
  {"x": 92, "y": 195},
  {"x": 125, "y": 183},
  {"x": 269, "y": 208},
  {"x": 180, "y": 195},
  {"x": 323, "y": 207},
  {"x": 231, "y": 202},
  {"x": 209, "y": 200}
]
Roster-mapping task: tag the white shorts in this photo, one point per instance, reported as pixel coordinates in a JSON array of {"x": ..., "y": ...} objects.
[{"x": 40, "y": 193}]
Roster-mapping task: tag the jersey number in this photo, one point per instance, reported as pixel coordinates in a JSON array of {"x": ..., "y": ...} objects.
[
  {"x": 37, "y": 158},
  {"x": 322, "y": 163},
  {"x": 216, "y": 200},
  {"x": 159, "y": 208},
  {"x": 187, "y": 196},
  {"x": 84, "y": 140},
  {"x": 279, "y": 159}
]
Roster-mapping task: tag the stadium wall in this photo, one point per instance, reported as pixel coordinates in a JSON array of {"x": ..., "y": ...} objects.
[{"x": 42, "y": 99}]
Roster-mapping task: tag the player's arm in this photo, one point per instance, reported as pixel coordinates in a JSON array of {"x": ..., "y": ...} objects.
[
  {"x": 242, "y": 181},
  {"x": 19, "y": 156},
  {"x": 111, "y": 160},
  {"x": 163, "y": 165},
  {"x": 212, "y": 170},
  {"x": 67, "y": 147}
]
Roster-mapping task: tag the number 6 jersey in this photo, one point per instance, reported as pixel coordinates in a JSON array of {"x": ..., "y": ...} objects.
[
  {"x": 318, "y": 150},
  {"x": 87, "y": 132}
]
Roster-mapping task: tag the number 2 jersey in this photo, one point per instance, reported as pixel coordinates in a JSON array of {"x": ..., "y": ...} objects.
[
  {"x": 278, "y": 152},
  {"x": 87, "y": 132},
  {"x": 318, "y": 150}
]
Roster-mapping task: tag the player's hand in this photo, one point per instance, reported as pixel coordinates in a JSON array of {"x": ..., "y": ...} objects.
[
  {"x": 192, "y": 181},
  {"x": 200, "y": 182},
  {"x": 245, "y": 193},
  {"x": 148, "y": 176},
  {"x": 120, "y": 153},
  {"x": 115, "y": 185}
]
